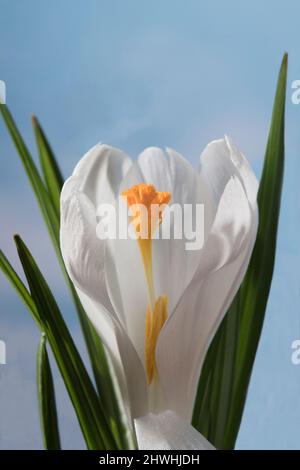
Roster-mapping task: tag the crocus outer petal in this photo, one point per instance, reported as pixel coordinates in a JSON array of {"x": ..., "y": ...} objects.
[
  {"x": 167, "y": 431},
  {"x": 95, "y": 180},
  {"x": 98, "y": 174},
  {"x": 219, "y": 161},
  {"x": 82, "y": 251}
]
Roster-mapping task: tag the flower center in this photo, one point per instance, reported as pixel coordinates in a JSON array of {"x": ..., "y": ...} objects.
[{"x": 147, "y": 205}]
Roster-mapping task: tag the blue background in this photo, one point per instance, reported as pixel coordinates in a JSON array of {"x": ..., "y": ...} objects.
[{"x": 133, "y": 74}]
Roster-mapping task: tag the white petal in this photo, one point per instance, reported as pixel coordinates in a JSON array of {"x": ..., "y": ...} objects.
[
  {"x": 221, "y": 160},
  {"x": 155, "y": 169},
  {"x": 166, "y": 431},
  {"x": 96, "y": 179},
  {"x": 180, "y": 264},
  {"x": 129, "y": 292},
  {"x": 82, "y": 251},
  {"x": 98, "y": 174},
  {"x": 184, "y": 340}
]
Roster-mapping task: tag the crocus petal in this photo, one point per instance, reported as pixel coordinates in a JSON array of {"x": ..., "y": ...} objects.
[
  {"x": 185, "y": 338},
  {"x": 98, "y": 174},
  {"x": 82, "y": 251},
  {"x": 155, "y": 169},
  {"x": 221, "y": 160},
  {"x": 167, "y": 431},
  {"x": 96, "y": 179},
  {"x": 128, "y": 290}
]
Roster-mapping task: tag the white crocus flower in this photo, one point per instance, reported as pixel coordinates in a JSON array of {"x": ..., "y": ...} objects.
[{"x": 156, "y": 305}]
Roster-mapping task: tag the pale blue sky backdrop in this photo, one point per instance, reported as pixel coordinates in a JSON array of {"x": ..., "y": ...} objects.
[{"x": 135, "y": 73}]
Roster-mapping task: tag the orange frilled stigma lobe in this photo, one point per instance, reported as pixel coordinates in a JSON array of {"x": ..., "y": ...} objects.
[
  {"x": 146, "y": 200},
  {"x": 149, "y": 205}
]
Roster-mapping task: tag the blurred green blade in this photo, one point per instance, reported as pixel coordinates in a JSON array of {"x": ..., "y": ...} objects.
[
  {"x": 230, "y": 359},
  {"x": 52, "y": 174},
  {"x": 46, "y": 397},
  {"x": 80, "y": 388}
]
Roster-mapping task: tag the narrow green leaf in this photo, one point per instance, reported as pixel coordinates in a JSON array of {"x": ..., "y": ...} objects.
[
  {"x": 46, "y": 397},
  {"x": 230, "y": 358},
  {"x": 52, "y": 174},
  {"x": 80, "y": 388}
]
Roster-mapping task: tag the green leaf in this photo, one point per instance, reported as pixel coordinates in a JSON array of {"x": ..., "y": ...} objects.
[
  {"x": 46, "y": 396},
  {"x": 52, "y": 174},
  {"x": 229, "y": 361},
  {"x": 80, "y": 388}
]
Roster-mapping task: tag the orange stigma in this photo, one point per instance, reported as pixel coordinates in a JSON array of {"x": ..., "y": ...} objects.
[{"x": 147, "y": 206}]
